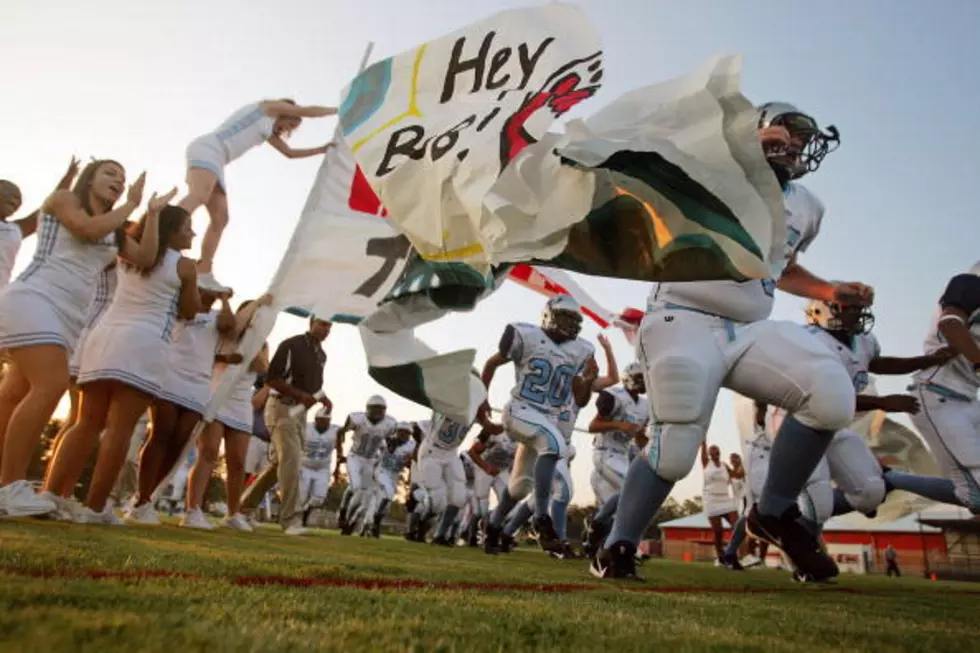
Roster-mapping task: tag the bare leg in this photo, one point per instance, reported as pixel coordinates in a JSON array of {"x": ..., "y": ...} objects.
[
  {"x": 154, "y": 450},
  {"x": 126, "y": 406},
  {"x": 13, "y": 389},
  {"x": 80, "y": 440},
  {"x": 717, "y": 531},
  {"x": 45, "y": 367},
  {"x": 207, "y": 458},
  {"x": 236, "y": 446},
  {"x": 217, "y": 206}
]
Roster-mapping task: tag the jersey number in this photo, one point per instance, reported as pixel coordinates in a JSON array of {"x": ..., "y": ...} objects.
[
  {"x": 450, "y": 433},
  {"x": 546, "y": 384}
]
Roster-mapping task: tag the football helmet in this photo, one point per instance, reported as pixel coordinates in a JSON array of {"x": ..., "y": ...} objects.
[
  {"x": 829, "y": 316},
  {"x": 562, "y": 317},
  {"x": 810, "y": 144},
  {"x": 632, "y": 378}
]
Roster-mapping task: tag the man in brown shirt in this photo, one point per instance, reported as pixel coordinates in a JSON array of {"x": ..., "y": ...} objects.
[{"x": 295, "y": 379}]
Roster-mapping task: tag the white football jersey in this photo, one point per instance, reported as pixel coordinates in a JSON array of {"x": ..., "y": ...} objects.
[
  {"x": 443, "y": 433},
  {"x": 963, "y": 292},
  {"x": 747, "y": 301},
  {"x": 856, "y": 358},
  {"x": 625, "y": 409},
  {"x": 10, "y": 239},
  {"x": 367, "y": 438},
  {"x": 499, "y": 451},
  {"x": 393, "y": 462},
  {"x": 318, "y": 448},
  {"x": 545, "y": 369}
]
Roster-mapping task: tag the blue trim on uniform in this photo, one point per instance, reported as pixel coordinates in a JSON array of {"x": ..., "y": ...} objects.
[
  {"x": 553, "y": 444},
  {"x": 127, "y": 378},
  {"x": 182, "y": 402},
  {"x": 36, "y": 338},
  {"x": 47, "y": 238},
  {"x": 240, "y": 125},
  {"x": 170, "y": 319},
  {"x": 942, "y": 391},
  {"x": 233, "y": 424}
]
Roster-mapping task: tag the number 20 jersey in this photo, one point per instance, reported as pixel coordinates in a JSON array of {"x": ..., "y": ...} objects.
[{"x": 544, "y": 368}]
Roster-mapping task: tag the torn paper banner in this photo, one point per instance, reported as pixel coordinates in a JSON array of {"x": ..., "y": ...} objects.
[{"x": 668, "y": 182}]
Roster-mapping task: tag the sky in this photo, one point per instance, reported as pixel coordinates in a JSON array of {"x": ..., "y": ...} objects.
[{"x": 137, "y": 81}]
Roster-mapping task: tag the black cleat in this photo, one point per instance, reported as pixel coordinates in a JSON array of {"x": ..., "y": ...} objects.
[
  {"x": 593, "y": 537},
  {"x": 507, "y": 543},
  {"x": 617, "y": 561},
  {"x": 491, "y": 539},
  {"x": 731, "y": 562},
  {"x": 800, "y": 545},
  {"x": 442, "y": 541},
  {"x": 547, "y": 536}
]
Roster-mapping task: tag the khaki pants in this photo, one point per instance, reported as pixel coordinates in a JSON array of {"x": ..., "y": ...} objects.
[{"x": 287, "y": 437}]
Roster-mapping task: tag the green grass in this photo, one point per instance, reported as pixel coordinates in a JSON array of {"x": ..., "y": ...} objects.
[{"x": 206, "y": 601}]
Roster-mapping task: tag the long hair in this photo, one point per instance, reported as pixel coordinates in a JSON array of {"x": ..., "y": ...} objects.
[
  {"x": 84, "y": 182},
  {"x": 280, "y": 131},
  {"x": 171, "y": 219},
  {"x": 245, "y": 304},
  {"x": 81, "y": 190}
]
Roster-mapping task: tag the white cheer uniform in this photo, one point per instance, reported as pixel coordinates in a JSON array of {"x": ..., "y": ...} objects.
[
  {"x": 697, "y": 337},
  {"x": 545, "y": 371},
  {"x": 236, "y": 411},
  {"x": 716, "y": 493},
  {"x": 498, "y": 452},
  {"x": 104, "y": 292},
  {"x": 11, "y": 238},
  {"x": 46, "y": 303},
  {"x": 191, "y": 363},
  {"x": 610, "y": 449},
  {"x": 243, "y": 130},
  {"x": 131, "y": 343},
  {"x": 314, "y": 471},
  {"x": 950, "y": 416},
  {"x": 440, "y": 470}
]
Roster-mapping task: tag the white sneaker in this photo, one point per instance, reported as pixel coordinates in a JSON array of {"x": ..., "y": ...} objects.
[
  {"x": 750, "y": 561},
  {"x": 144, "y": 514},
  {"x": 239, "y": 522},
  {"x": 18, "y": 499},
  {"x": 296, "y": 529},
  {"x": 196, "y": 519},
  {"x": 105, "y": 518},
  {"x": 66, "y": 509},
  {"x": 206, "y": 281}
]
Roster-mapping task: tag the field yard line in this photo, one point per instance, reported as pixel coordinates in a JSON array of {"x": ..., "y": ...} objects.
[{"x": 408, "y": 583}]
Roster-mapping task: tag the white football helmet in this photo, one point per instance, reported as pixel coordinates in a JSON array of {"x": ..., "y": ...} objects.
[
  {"x": 404, "y": 426},
  {"x": 632, "y": 378},
  {"x": 975, "y": 270},
  {"x": 562, "y": 316},
  {"x": 813, "y": 144},
  {"x": 322, "y": 413},
  {"x": 852, "y": 320},
  {"x": 377, "y": 400}
]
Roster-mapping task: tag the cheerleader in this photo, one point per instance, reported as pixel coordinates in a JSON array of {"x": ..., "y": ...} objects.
[
  {"x": 42, "y": 312},
  {"x": 13, "y": 232},
  {"x": 185, "y": 391},
  {"x": 125, "y": 360},
  {"x": 269, "y": 121},
  {"x": 233, "y": 426},
  {"x": 718, "y": 502}
]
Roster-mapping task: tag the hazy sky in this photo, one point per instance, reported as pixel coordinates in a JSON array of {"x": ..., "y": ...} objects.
[{"x": 137, "y": 81}]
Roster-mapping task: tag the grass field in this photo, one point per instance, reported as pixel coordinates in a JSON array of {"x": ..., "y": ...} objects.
[{"x": 104, "y": 589}]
